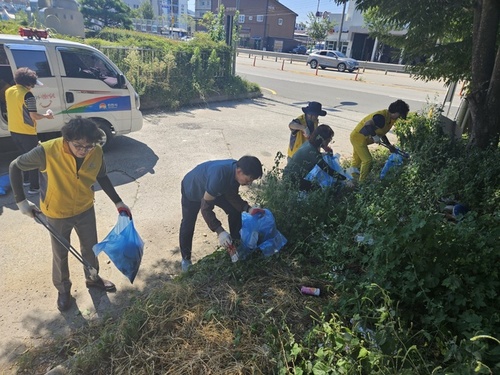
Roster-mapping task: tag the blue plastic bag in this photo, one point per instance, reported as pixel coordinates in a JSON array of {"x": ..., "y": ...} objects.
[
  {"x": 259, "y": 231},
  {"x": 4, "y": 184},
  {"x": 123, "y": 246},
  {"x": 394, "y": 160},
  {"x": 322, "y": 178}
]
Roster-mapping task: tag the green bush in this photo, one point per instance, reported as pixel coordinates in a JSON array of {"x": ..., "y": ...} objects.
[{"x": 442, "y": 272}]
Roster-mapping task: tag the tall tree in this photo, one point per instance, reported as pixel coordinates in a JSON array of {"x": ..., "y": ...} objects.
[
  {"x": 106, "y": 13},
  {"x": 460, "y": 41},
  {"x": 146, "y": 10},
  {"x": 214, "y": 23},
  {"x": 318, "y": 27}
]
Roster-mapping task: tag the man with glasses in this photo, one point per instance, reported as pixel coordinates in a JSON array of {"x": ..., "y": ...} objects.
[
  {"x": 22, "y": 117},
  {"x": 69, "y": 167}
]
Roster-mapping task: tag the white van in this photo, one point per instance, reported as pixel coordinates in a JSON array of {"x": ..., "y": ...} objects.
[{"x": 78, "y": 80}]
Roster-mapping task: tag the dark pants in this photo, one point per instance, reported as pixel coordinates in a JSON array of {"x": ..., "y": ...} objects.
[
  {"x": 25, "y": 143},
  {"x": 190, "y": 211}
]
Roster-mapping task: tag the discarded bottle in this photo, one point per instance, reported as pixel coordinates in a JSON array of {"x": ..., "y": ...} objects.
[
  {"x": 309, "y": 290},
  {"x": 231, "y": 250}
]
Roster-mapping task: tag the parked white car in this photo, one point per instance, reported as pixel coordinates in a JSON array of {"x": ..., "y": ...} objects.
[{"x": 332, "y": 59}]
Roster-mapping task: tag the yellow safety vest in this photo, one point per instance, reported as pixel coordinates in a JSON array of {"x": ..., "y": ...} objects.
[
  {"x": 67, "y": 192},
  {"x": 297, "y": 137},
  {"x": 382, "y": 131},
  {"x": 19, "y": 117}
]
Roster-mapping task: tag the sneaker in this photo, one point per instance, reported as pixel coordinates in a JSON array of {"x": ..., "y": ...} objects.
[
  {"x": 33, "y": 191},
  {"x": 186, "y": 265}
]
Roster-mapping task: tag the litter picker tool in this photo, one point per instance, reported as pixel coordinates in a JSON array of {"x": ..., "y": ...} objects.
[
  {"x": 398, "y": 151},
  {"x": 92, "y": 271}
]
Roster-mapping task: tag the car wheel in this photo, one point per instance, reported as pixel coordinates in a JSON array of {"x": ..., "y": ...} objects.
[
  {"x": 314, "y": 64},
  {"x": 341, "y": 67},
  {"x": 107, "y": 134}
]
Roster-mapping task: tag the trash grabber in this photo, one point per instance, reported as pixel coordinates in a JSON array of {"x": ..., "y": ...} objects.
[
  {"x": 398, "y": 151},
  {"x": 92, "y": 271}
]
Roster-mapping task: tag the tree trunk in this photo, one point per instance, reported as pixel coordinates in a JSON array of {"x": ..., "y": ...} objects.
[{"x": 484, "y": 98}]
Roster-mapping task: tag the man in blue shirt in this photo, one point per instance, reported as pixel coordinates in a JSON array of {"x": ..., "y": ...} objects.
[{"x": 215, "y": 183}]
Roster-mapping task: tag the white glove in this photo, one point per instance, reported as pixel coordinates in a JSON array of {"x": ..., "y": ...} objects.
[
  {"x": 27, "y": 208},
  {"x": 225, "y": 239},
  {"x": 376, "y": 139}
]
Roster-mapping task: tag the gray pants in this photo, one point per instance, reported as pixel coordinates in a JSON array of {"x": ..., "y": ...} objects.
[{"x": 85, "y": 227}]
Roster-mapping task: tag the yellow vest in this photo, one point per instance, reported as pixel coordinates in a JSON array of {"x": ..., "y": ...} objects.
[
  {"x": 19, "y": 117},
  {"x": 67, "y": 192},
  {"x": 382, "y": 131},
  {"x": 297, "y": 137}
]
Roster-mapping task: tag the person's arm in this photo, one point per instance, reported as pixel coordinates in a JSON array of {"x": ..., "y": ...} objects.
[
  {"x": 207, "y": 211},
  {"x": 109, "y": 189},
  {"x": 30, "y": 102},
  {"x": 296, "y": 126},
  {"x": 34, "y": 159}
]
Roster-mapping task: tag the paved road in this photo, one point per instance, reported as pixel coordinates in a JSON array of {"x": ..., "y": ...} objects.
[{"x": 147, "y": 168}]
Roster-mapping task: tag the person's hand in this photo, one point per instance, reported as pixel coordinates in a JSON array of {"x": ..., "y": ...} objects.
[
  {"x": 27, "y": 208},
  {"x": 49, "y": 114},
  {"x": 225, "y": 239},
  {"x": 328, "y": 149},
  {"x": 307, "y": 132},
  {"x": 255, "y": 211},
  {"x": 122, "y": 207},
  {"x": 376, "y": 139}
]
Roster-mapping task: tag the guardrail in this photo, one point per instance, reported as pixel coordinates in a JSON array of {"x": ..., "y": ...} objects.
[{"x": 303, "y": 58}]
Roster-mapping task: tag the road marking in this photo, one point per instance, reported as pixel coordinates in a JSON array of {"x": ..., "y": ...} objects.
[{"x": 271, "y": 91}]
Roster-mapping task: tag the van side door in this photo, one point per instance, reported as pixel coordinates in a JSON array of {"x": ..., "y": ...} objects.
[
  {"x": 94, "y": 88},
  {"x": 35, "y": 57}
]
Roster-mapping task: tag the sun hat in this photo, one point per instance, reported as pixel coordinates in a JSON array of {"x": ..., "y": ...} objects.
[{"x": 314, "y": 108}]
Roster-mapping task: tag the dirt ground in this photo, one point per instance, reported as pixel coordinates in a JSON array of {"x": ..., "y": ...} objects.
[{"x": 146, "y": 167}]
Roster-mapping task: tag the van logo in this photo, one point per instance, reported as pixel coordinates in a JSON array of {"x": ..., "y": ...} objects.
[{"x": 102, "y": 106}]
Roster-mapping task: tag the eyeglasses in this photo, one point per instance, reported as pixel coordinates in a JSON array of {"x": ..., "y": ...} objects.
[{"x": 80, "y": 147}]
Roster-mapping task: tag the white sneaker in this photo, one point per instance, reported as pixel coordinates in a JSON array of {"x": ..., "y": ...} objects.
[{"x": 186, "y": 265}]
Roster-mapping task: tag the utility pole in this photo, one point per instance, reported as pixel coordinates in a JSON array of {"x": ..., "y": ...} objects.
[
  {"x": 265, "y": 25},
  {"x": 341, "y": 26}
]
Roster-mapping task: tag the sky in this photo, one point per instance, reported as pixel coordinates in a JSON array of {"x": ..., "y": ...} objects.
[{"x": 302, "y": 7}]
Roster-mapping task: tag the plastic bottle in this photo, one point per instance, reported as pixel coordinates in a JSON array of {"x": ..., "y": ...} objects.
[
  {"x": 309, "y": 290},
  {"x": 49, "y": 112}
]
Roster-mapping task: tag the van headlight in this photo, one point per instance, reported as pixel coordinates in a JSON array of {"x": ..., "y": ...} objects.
[{"x": 137, "y": 101}]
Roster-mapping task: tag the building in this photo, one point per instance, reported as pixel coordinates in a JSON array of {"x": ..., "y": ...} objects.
[
  {"x": 354, "y": 39},
  {"x": 62, "y": 16},
  {"x": 263, "y": 24},
  {"x": 169, "y": 14}
]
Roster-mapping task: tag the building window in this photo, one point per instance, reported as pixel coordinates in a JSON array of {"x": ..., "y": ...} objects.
[
  {"x": 241, "y": 18},
  {"x": 280, "y": 21},
  {"x": 260, "y": 18}
]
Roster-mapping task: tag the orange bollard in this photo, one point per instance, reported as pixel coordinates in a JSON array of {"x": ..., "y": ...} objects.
[
  {"x": 356, "y": 78},
  {"x": 254, "y": 60},
  {"x": 317, "y": 70},
  {"x": 282, "y": 64}
]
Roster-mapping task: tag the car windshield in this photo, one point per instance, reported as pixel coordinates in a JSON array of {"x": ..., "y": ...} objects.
[{"x": 340, "y": 54}]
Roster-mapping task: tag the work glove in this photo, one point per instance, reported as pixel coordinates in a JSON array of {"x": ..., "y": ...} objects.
[
  {"x": 255, "y": 210},
  {"x": 376, "y": 139},
  {"x": 122, "y": 207},
  {"x": 225, "y": 239},
  {"x": 27, "y": 208}
]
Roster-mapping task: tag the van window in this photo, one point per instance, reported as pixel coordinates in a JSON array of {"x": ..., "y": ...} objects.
[
  {"x": 87, "y": 65},
  {"x": 31, "y": 56}
]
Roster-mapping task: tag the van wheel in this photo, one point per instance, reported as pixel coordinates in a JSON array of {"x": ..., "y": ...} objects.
[{"x": 107, "y": 135}]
